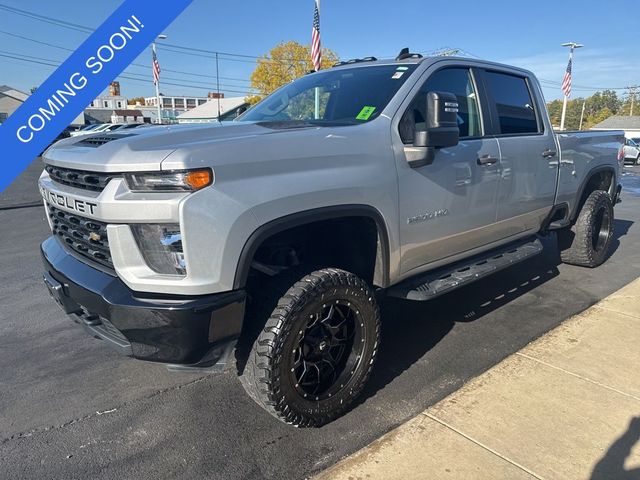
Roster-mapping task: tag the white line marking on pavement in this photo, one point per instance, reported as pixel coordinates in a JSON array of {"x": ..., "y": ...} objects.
[{"x": 482, "y": 445}]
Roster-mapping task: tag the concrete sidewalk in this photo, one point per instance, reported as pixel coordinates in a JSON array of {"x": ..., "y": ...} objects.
[{"x": 567, "y": 406}]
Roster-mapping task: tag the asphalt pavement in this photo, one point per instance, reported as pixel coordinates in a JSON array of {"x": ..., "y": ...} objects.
[{"x": 71, "y": 408}]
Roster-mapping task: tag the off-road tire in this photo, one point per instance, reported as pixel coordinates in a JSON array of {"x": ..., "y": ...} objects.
[
  {"x": 587, "y": 242},
  {"x": 269, "y": 360}
]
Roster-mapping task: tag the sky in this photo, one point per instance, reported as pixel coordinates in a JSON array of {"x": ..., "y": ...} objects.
[{"x": 525, "y": 34}]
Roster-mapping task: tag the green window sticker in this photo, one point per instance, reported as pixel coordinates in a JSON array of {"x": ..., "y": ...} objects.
[{"x": 365, "y": 113}]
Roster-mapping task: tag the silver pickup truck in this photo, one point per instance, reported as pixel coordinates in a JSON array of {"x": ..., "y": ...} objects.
[{"x": 267, "y": 243}]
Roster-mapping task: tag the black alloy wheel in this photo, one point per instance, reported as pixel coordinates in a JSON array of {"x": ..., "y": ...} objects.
[{"x": 310, "y": 360}]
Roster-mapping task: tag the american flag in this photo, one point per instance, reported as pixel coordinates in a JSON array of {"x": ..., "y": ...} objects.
[
  {"x": 566, "y": 81},
  {"x": 156, "y": 67},
  {"x": 316, "y": 51}
]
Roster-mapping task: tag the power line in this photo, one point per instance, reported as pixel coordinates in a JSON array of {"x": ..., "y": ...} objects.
[
  {"x": 43, "y": 18},
  {"x": 20, "y": 55},
  {"x": 227, "y": 56},
  {"x": 48, "y": 44},
  {"x": 125, "y": 76},
  {"x": 165, "y": 46}
]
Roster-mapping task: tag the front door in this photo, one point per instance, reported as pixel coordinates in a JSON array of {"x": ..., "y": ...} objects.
[{"x": 449, "y": 206}]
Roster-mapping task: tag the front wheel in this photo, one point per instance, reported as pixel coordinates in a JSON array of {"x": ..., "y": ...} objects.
[
  {"x": 316, "y": 351},
  {"x": 637, "y": 162},
  {"x": 587, "y": 243}
]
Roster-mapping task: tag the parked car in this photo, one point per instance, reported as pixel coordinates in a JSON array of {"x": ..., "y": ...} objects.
[
  {"x": 632, "y": 150},
  {"x": 129, "y": 126},
  {"x": 85, "y": 130},
  {"x": 275, "y": 236},
  {"x": 96, "y": 128}
]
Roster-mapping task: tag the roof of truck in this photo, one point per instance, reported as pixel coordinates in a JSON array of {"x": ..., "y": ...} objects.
[{"x": 417, "y": 60}]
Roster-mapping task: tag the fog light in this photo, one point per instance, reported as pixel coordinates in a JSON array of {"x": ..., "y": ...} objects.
[{"x": 161, "y": 247}]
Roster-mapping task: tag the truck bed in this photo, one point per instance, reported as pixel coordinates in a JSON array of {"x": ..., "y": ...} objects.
[{"x": 581, "y": 153}]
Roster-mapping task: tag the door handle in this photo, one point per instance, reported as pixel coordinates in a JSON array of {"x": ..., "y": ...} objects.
[
  {"x": 487, "y": 160},
  {"x": 549, "y": 153}
]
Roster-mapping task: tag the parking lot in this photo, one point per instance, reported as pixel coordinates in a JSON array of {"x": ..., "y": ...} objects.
[{"x": 71, "y": 408}]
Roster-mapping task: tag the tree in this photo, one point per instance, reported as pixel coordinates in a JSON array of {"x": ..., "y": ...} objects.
[
  {"x": 598, "y": 107},
  {"x": 283, "y": 64},
  {"x": 134, "y": 100}
]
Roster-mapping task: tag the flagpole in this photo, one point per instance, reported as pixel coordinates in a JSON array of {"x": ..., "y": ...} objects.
[
  {"x": 316, "y": 114},
  {"x": 157, "y": 83},
  {"x": 564, "y": 103},
  {"x": 572, "y": 46}
]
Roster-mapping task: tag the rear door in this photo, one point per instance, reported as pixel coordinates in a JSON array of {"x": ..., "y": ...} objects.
[
  {"x": 528, "y": 156},
  {"x": 448, "y": 207}
]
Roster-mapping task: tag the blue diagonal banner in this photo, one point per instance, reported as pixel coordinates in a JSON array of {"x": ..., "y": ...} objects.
[{"x": 81, "y": 78}]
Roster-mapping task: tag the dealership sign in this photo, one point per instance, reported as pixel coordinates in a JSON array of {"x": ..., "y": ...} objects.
[{"x": 81, "y": 78}]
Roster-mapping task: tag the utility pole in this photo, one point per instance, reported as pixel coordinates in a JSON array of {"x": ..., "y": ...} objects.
[
  {"x": 632, "y": 96},
  {"x": 584, "y": 104},
  {"x": 572, "y": 46},
  {"x": 218, "y": 85}
]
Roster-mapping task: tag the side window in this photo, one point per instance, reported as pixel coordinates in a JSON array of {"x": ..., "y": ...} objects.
[
  {"x": 516, "y": 110},
  {"x": 453, "y": 80}
]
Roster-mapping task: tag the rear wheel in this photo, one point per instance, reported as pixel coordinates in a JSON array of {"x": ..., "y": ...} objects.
[
  {"x": 587, "y": 242},
  {"x": 313, "y": 356}
]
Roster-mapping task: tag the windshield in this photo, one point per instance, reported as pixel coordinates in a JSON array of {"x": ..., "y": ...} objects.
[{"x": 333, "y": 97}]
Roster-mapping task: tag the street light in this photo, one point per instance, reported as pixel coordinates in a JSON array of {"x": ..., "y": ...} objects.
[
  {"x": 572, "y": 46},
  {"x": 155, "y": 59}
]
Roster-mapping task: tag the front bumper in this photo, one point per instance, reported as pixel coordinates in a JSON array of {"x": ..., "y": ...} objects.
[{"x": 193, "y": 331}]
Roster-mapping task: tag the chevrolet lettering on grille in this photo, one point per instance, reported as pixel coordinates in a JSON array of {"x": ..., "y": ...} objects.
[{"x": 81, "y": 206}]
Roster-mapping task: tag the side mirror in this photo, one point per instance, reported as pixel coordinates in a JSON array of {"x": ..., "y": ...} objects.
[{"x": 441, "y": 128}]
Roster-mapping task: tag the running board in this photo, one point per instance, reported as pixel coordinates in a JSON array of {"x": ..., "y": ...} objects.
[{"x": 438, "y": 282}]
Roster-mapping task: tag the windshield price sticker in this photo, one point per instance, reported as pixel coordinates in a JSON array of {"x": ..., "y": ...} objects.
[{"x": 365, "y": 113}]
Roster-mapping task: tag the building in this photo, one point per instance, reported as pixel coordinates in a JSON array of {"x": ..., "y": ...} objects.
[
  {"x": 118, "y": 115},
  {"x": 111, "y": 102},
  {"x": 175, "y": 103},
  {"x": 129, "y": 115},
  {"x": 629, "y": 124},
  {"x": 229, "y": 108},
  {"x": 10, "y": 100},
  {"x": 114, "y": 89}
]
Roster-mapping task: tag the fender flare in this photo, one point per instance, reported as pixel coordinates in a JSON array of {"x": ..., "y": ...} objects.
[
  {"x": 587, "y": 178},
  {"x": 297, "y": 219}
]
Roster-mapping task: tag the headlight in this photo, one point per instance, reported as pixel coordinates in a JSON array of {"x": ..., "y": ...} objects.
[
  {"x": 182, "y": 181},
  {"x": 161, "y": 247}
]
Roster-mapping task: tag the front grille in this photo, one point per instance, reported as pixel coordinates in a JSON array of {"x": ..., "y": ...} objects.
[
  {"x": 84, "y": 236},
  {"x": 95, "y": 181}
]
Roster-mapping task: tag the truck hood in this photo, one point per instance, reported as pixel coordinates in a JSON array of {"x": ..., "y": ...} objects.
[{"x": 144, "y": 149}]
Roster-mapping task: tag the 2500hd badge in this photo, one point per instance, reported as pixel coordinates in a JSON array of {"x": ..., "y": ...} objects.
[{"x": 81, "y": 206}]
